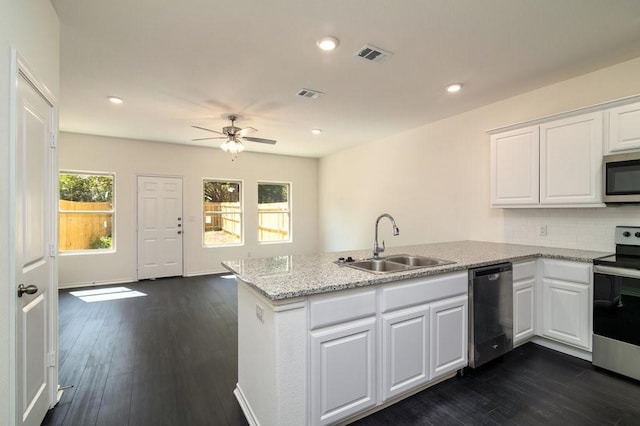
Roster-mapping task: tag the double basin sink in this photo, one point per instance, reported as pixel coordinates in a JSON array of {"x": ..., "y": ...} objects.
[{"x": 397, "y": 263}]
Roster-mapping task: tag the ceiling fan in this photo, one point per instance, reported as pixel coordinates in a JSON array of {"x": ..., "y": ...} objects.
[{"x": 234, "y": 137}]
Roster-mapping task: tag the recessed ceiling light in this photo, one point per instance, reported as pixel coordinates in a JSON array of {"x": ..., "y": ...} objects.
[
  {"x": 453, "y": 88},
  {"x": 327, "y": 43},
  {"x": 115, "y": 100},
  {"x": 316, "y": 131}
]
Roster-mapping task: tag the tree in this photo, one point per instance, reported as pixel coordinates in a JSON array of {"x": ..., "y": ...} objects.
[
  {"x": 221, "y": 192},
  {"x": 276, "y": 193},
  {"x": 86, "y": 188}
]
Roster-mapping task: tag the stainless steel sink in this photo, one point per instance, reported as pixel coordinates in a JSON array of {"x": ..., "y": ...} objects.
[
  {"x": 378, "y": 265},
  {"x": 397, "y": 263},
  {"x": 418, "y": 261}
]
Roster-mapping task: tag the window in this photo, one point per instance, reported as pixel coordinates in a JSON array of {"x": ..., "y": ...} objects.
[
  {"x": 85, "y": 211},
  {"x": 222, "y": 207},
  {"x": 274, "y": 212}
]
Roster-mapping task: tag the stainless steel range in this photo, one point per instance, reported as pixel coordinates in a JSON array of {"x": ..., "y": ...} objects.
[{"x": 616, "y": 306}]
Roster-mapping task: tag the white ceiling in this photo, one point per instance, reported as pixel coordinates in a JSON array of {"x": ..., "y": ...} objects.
[{"x": 193, "y": 62}]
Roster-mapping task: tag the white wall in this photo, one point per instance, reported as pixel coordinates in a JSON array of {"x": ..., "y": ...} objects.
[
  {"x": 129, "y": 158},
  {"x": 32, "y": 28},
  {"x": 435, "y": 179}
]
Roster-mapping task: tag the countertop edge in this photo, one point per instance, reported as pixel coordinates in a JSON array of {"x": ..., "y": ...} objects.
[{"x": 374, "y": 279}]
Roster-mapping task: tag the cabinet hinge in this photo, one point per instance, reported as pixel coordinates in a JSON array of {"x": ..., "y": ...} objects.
[
  {"x": 54, "y": 140},
  {"x": 52, "y": 359},
  {"x": 52, "y": 250}
]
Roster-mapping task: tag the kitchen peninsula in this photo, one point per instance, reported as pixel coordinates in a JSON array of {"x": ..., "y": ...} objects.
[{"x": 321, "y": 343}]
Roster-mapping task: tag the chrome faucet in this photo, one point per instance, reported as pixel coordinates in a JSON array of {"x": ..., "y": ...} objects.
[{"x": 376, "y": 247}]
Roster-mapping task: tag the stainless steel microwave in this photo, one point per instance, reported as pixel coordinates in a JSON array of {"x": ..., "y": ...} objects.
[{"x": 621, "y": 178}]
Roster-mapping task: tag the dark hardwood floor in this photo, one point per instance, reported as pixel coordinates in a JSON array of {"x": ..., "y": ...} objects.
[
  {"x": 170, "y": 359},
  {"x": 165, "y": 359}
]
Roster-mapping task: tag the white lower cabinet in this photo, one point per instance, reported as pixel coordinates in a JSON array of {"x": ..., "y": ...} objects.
[
  {"x": 566, "y": 309},
  {"x": 343, "y": 370},
  {"x": 449, "y": 340},
  {"x": 524, "y": 280},
  {"x": 405, "y": 356},
  {"x": 368, "y": 347}
]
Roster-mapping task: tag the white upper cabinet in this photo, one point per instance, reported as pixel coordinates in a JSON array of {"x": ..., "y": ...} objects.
[
  {"x": 515, "y": 167},
  {"x": 624, "y": 128},
  {"x": 555, "y": 164},
  {"x": 571, "y": 160}
]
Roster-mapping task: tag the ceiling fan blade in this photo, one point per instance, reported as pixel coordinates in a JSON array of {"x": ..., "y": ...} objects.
[
  {"x": 206, "y": 139},
  {"x": 247, "y": 130},
  {"x": 260, "y": 140},
  {"x": 208, "y": 130}
]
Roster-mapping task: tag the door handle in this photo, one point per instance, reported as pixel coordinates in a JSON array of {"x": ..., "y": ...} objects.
[{"x": 30, "y": 289}]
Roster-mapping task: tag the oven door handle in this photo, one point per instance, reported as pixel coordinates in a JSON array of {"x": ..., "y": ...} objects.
[{"x": 618, "y": 272}]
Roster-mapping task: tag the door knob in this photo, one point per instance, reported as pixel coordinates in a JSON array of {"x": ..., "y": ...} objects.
[
  {"x": 179, "y": 232},
  {"x": 30, "y": 289}
]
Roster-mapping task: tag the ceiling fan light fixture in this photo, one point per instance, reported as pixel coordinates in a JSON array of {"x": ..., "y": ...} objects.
[
  {"x": 233, "y": 147},
  {"x": 327, "y": 43}
]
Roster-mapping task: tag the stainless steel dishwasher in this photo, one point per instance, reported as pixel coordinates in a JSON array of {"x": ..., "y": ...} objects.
[{"x": 490, "y": 312}]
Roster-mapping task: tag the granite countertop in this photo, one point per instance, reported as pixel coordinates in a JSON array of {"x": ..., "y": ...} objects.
[{"x": 286, "y": 277}]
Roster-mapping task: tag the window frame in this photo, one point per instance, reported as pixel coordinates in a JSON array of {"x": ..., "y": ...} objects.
[
  {"x": 239, "y": 182},
  {"x": 289, "y": 211},
  {"x": 112, "y": 212}
]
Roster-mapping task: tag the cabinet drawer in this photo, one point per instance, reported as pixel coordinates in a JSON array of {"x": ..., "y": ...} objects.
[
  {"x": 567, "y": 271},
  {"x": 325, "y": 311},
  {"x": 423, "y": 290},
  {"x": 524, "y": 270}
]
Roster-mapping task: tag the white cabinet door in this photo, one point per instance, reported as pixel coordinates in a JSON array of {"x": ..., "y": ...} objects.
[
  {"x": 515, "y": 167},
  {"x": 448, "y": 338},
  {"x": 343, "y": 370},
  {"x": 571, "y": 160},
  {"x": 405, "y": 350},
  {"x": 624, "y": 128},
  {"x": 565, "y": 312},
  {"x": 523, "y": 310}
]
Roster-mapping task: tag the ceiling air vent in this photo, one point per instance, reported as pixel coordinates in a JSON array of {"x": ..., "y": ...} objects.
[
  {"x": 308, "y": 93},
  {"x": 373, "y": 54}
]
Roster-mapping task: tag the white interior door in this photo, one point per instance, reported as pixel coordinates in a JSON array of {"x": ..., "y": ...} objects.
[
  {"x": 34, "y": 245},
  {"x": 160, "y": 227}
]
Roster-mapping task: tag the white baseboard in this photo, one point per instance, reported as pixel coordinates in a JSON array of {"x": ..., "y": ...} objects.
[
  {"x": 560, "y": 347},
  {"x": 97, "y": 283},
  {"x": 246, "y": 408},
  {"x": 200, "y": 273}
]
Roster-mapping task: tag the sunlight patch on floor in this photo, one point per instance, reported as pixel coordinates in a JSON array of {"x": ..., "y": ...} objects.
[{"x": 103, "y": 294}]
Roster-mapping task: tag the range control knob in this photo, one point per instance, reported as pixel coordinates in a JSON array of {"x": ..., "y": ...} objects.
[
  {"x": 637, "y": 234},
  {"x": 626, "y": 234}
]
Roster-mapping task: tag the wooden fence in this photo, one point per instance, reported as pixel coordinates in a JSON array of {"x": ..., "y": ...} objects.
[
  {"x": 273, "y": 220},
  {"x": 83, "y": 230}
]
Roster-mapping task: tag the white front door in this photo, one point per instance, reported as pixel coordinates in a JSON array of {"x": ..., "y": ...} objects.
[
  {"x": 34, "y": 245},
  {"x": 160, "y": 227}
]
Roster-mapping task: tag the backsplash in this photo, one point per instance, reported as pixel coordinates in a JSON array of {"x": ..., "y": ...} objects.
[{"x": 584, "y": 228}]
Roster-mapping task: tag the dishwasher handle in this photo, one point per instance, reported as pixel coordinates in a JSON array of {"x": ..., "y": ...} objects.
[{"x": 492, "y": 272}]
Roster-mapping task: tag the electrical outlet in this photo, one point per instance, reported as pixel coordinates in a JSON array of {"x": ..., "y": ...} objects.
[
  {"x": 543, "y": 231},
  {"x": 259, "y": 314}
]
